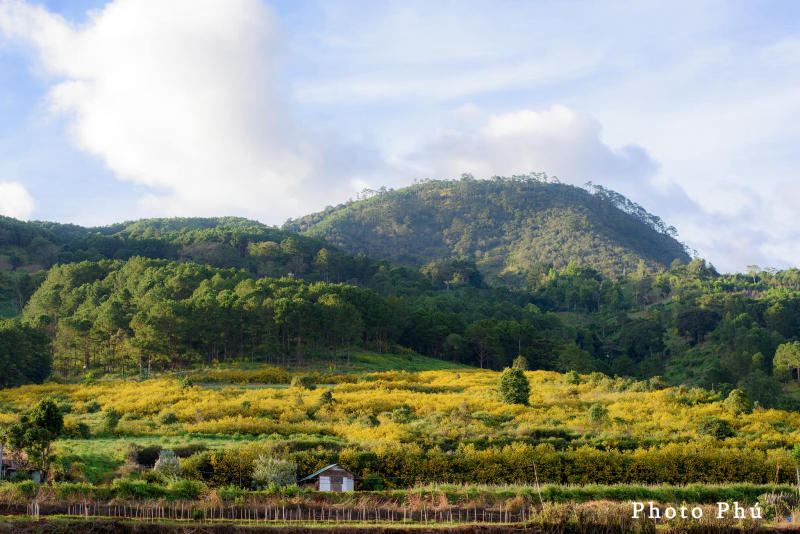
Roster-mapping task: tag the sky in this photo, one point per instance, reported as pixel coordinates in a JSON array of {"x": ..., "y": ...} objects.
[{"x": 120, "y": 110}]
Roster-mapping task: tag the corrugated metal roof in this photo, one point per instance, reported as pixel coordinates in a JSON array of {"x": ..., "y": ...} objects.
[{"x": 315, "y": 473}]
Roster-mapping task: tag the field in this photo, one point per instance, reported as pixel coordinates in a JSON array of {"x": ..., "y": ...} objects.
[{"x": 420, "y": 441}]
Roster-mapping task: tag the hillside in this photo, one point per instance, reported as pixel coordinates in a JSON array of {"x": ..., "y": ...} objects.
[
  {"x": 509, "y": 227},
  {"x": 27, "y": 249},
  {"x": 444, "y": 426}
]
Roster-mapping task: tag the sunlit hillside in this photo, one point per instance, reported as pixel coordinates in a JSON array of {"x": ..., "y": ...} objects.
[{"x": 432, "y": 426}]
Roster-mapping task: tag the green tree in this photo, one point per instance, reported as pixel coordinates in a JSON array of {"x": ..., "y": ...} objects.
[
  {"x": 35, "y": 432},
  {"x": 269, "y": 471},
  {"x": 787, "y": 357},
  {"x": 738, "y": 402},
  {"x": 514, "y": 387}
]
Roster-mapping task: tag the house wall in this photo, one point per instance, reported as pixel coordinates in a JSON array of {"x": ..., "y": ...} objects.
[{"x": 334, "y": 479}]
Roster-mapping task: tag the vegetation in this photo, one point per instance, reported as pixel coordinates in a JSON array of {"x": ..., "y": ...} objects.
[
  {"x": 510, "y": 228},
  {"x": 408, "y": 428}
]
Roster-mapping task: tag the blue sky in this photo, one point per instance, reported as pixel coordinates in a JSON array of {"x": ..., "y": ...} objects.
[{"x": 135, "y": 108}]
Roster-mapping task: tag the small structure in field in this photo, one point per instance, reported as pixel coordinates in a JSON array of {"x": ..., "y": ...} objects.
[
  {"x": 10, "y": 466},
  {"x": 331, "y": 478}
]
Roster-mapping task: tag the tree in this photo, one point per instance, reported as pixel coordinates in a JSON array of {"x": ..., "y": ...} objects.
[
  {"x": 738, "y": 402},
  {"x": 34, "y": 433},
  {"x": 787, "y": 357},
  {"x": 697, "y": 322},
  {"x": 521, "y": 363},
  {"x": 268, "y": 471},
  {"x": 168, "y": 465},
  {"x": 513, "y": 386}
]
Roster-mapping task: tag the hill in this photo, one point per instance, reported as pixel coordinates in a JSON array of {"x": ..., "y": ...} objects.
[
  {"x": 28, "y": 249},
  {"x": 509, "y": 227}
]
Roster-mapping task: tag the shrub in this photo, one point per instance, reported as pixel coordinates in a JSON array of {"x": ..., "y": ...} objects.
[
  {"x": 304, "y": 382},
  {"x": 187, "y": 489},
  {"x": 75, "y": 429},
  {"x": 137, "y": 489},
  {"x": 738, "y": 402},
  {"x": 111, "y": 419},
  {"x": 372, "y": 482},
  {"x": 715, "y": 427},
  {"x": 514, "y": 387},
  {"x": 269, "y": 471},
  {"x": 403, "y": 414},
  {"x": 167, "y": 418},
  {"x": 520, "y": 362},
  {"x": 168, "y": 464},
  {"x": 572, "y": 378},
  {"x": 597, "y": 413},
  {"x": 91, "y": 407}
]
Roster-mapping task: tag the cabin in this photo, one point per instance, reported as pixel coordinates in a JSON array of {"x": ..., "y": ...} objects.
[
  {"x": 331, "y": 478},
  {"x": 10, "y": 466}
]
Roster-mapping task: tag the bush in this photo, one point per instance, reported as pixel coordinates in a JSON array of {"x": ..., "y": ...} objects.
[
  {"x": 738, "y": 402},
  {"x": 520, "y": 362},
  {"x": 167, "y": 418},
  {"x": 269, "y": 471},
  {"x": 137, "y": 489},
  {"x": 304, "y": 381},
  {"x": 168, "y": 464},
  {"x": 187, "y": 489},
  {"x": 597, "y": 413},
  {"x": 91, "y": 407},
  {"x": 76, "y": 430},
  {"x": 715, "y": 427},
  {"x": 111, "y": 419},
  {"x": 403, "y": 414},
  {"x": 573, "y": 378},
  {"x": 372, "y": 482},
  {"x": 514, "y": 387}
]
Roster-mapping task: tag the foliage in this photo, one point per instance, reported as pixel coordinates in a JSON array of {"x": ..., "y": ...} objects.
[
  {"x": 168, "y": 465},
  {"x": 268, "y": 471},
  {"x": 513, "y": 386},
  {"x": 738, "y": 402},
  {"x": 34, "y": 433},
  {"x": 510, "y": 225},
  {"x": 304, "y": 381}
]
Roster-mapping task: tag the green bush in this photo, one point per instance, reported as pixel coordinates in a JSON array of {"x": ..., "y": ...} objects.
[
  {"x": 187, "y": 489},
  {"x": 76, "y": 430},
  {"x": 738, "y": 402},
  {"x": 269, "y": 471},
  {"x": 514, "y": 387},
  {"x": 167, "y": 418},
  {"x": 137, "y": 489},
  {"x": 304, "y": 381},
  {"x": 573, "y": 378},
  {"x": 715, "y": 427}
]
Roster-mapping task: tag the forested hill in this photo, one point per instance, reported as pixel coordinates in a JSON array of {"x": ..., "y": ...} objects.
[
  {"x": 27, "y": 249},
  {"x": 508, "y": 226}
]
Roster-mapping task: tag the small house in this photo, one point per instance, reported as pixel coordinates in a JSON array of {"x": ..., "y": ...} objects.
[
  {"x": 10, "y": 466},
  {"x": 331, "y": 478}
]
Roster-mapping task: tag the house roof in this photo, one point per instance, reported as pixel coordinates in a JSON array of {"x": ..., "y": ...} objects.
[{"x": 320, "y": 471}]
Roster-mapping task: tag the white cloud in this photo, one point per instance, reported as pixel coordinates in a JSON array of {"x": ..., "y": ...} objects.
[
  {"x": 559, "y": 140},
  {"x": 15, "y": 201},
  {"x": 180, "y": 97}
]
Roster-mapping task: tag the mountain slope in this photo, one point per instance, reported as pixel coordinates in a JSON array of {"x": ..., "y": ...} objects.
[
  {"x": 226, "y": 242},
  {"x": 507, "y": 226}
]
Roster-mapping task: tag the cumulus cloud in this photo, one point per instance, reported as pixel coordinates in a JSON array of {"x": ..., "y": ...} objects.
[
  {"x": 560, "y": 140},
  {"x": 180, "y": 97},
  {"x": 15, "y": 201}
]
